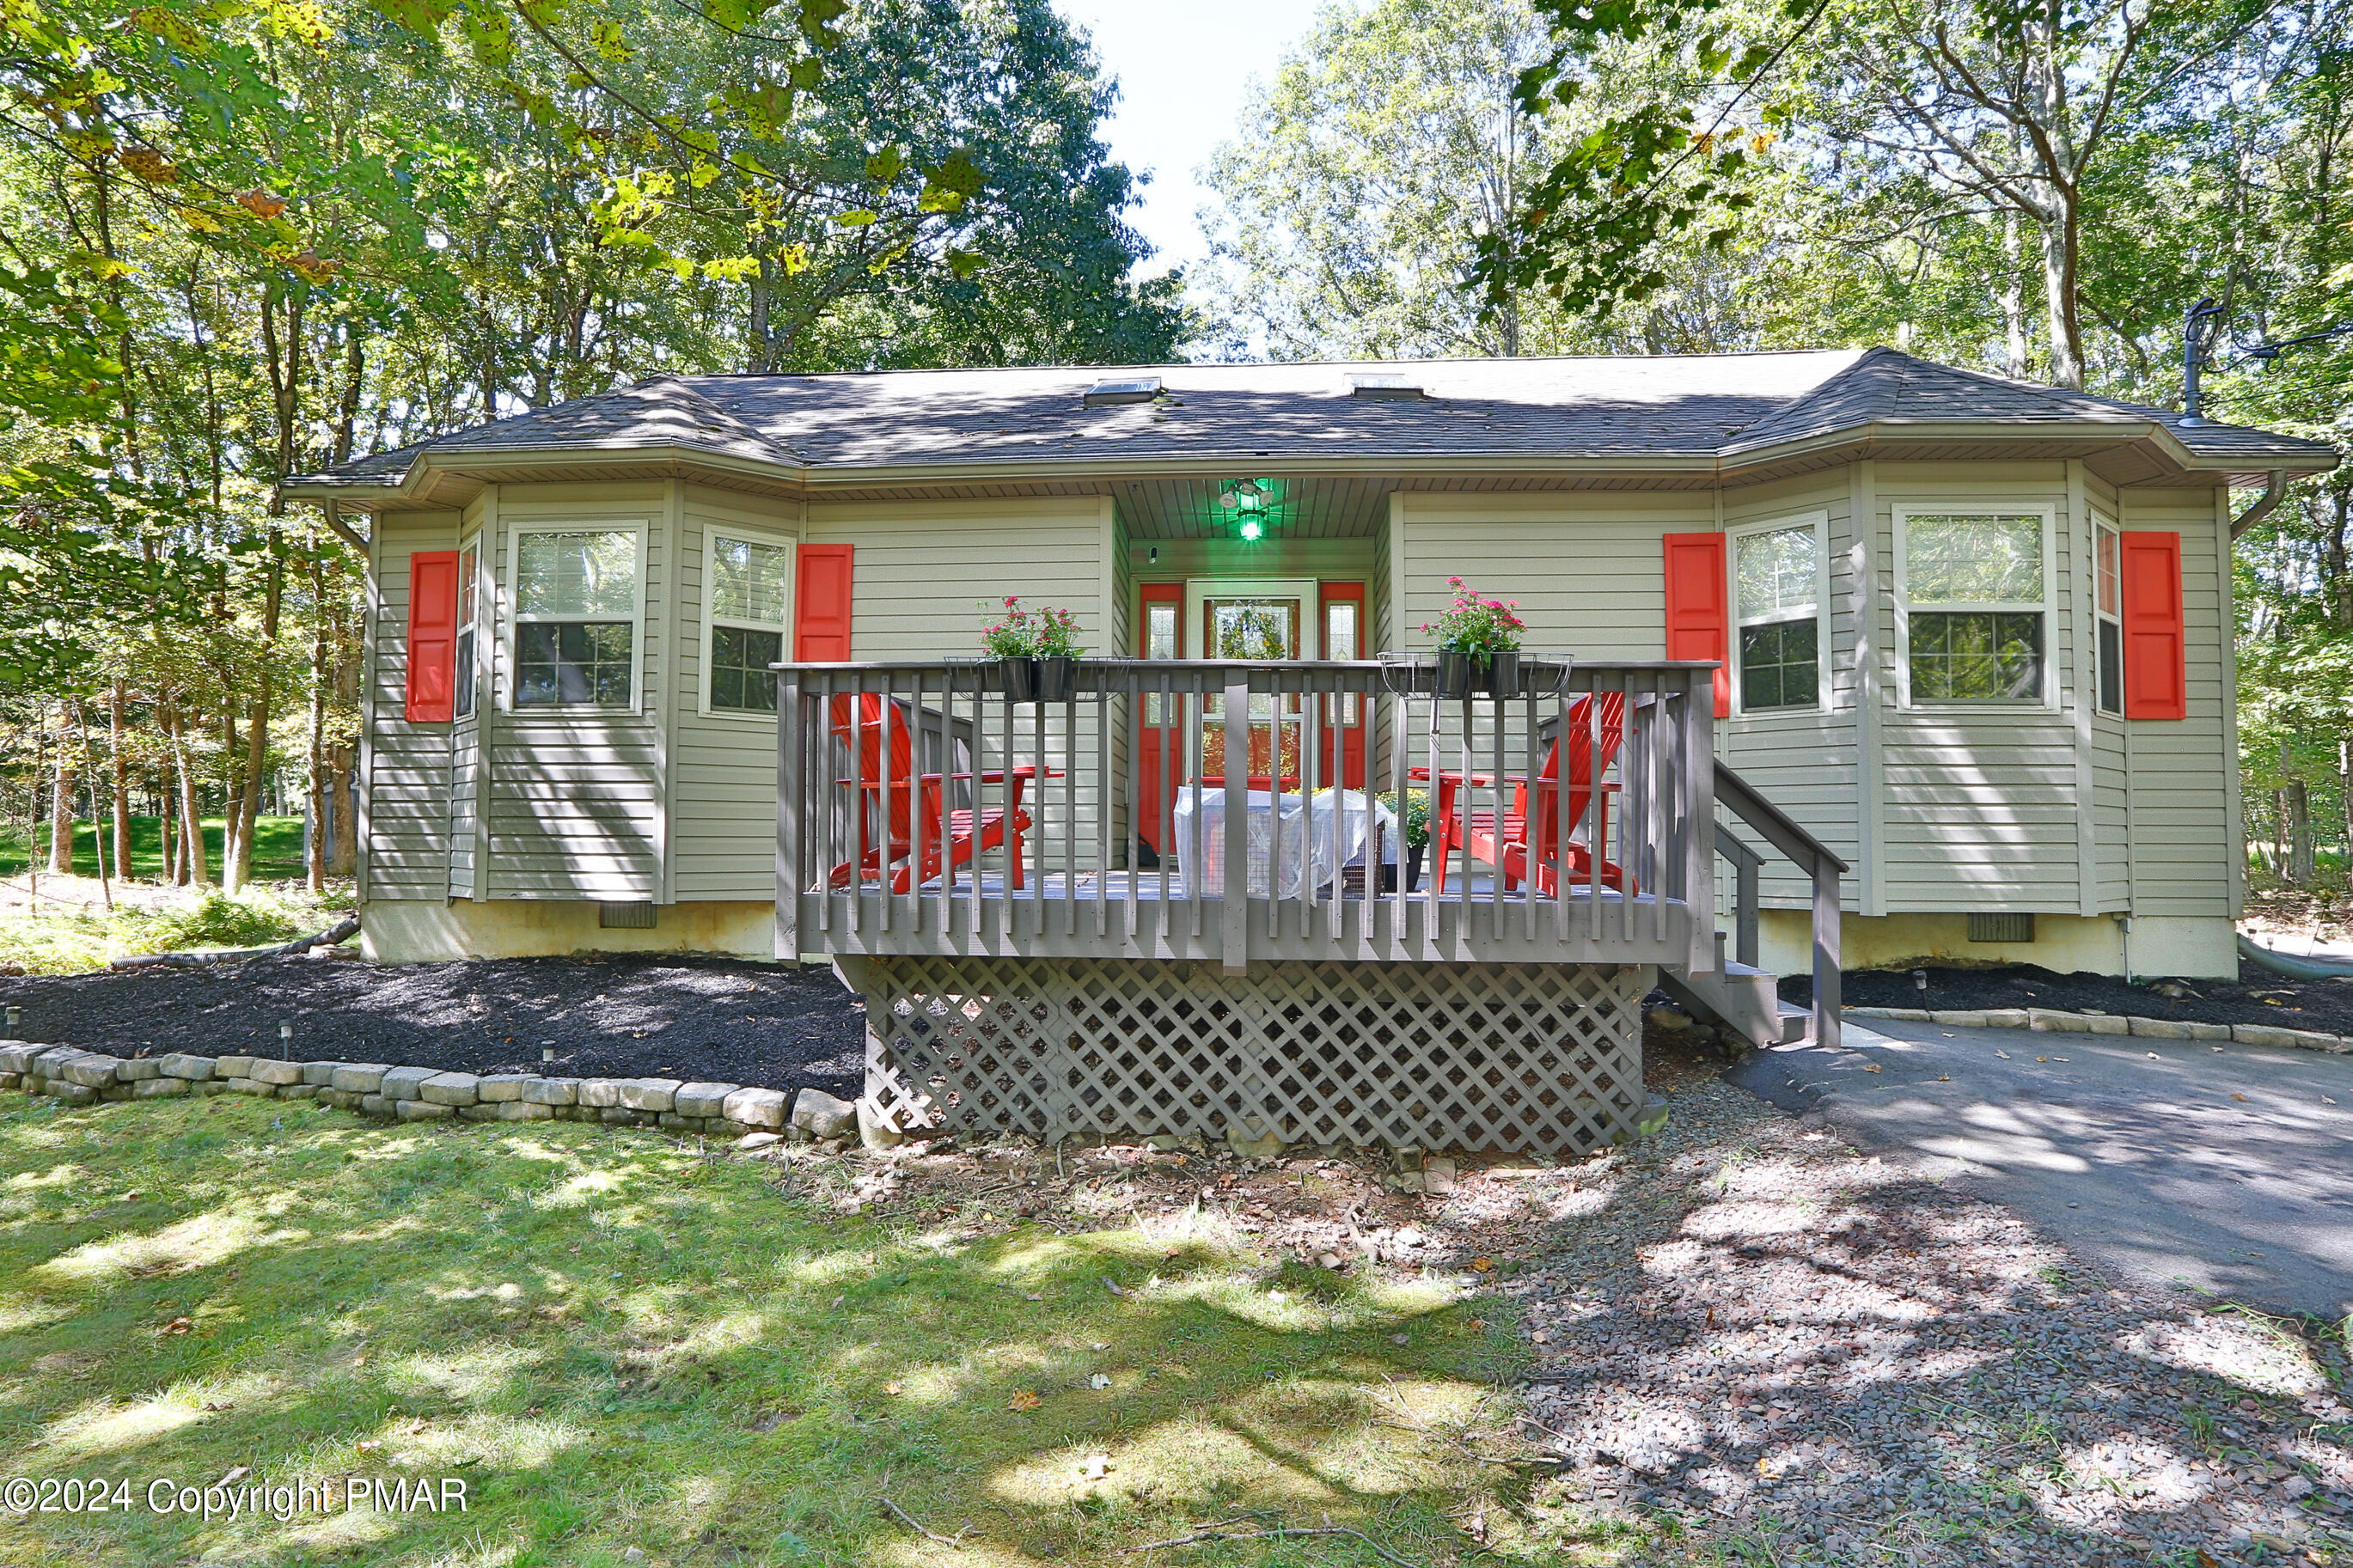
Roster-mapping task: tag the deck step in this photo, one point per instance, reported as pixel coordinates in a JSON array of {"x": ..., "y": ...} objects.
[{"x": 1741, "y": 998}]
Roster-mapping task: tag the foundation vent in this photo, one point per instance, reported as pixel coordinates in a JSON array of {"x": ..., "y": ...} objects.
[
  {"x": 2001, "y": 927},
  {"x": 640, "y": 917}
]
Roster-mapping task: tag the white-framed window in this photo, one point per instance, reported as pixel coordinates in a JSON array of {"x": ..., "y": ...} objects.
[
  {"x": 748, "y": 598},
  {"x": 470, "y": 584},
  {"x": 579, "y": 598},
  {"x": 2108, "y": 552},
  {"x": 1972, "y": 599},
  {"x": 1780, "y": 590}
]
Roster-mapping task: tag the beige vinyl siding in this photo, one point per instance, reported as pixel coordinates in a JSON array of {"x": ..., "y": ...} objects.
[
  {"x": 407, "y": 843},
  {"x": 2183, "y": 834},
  {"x": 465, "y": 765},
  {"x": 926, "y": 575},
  {"x": 1981, "y": 804},
  {"x": 723, "y": 788},
  {"x": 575, "y": 804},
  {"x": 1808, "y": 763},
  {"x": 1585, "y": 568}
]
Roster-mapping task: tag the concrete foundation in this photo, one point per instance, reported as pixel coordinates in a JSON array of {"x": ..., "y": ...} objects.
[
  {"x": 2186, "y": 945},
  {"x": 419, "y": 931}
]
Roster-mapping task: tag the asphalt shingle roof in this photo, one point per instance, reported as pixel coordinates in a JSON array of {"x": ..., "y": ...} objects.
[{"x": 1701, "y": 406}]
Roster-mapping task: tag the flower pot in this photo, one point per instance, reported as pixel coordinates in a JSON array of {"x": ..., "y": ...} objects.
[
  {"x": 1057, "y": 678},
  {"x": 1018, "y": 679},
  {"x": 1455, "y": 672},
  {"x": 1503, "y": 672},
  {"x": 1412, "y": 872}
]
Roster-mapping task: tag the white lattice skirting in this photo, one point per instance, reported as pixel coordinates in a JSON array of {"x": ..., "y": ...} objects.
[{"x": 1524, "y": 1058}]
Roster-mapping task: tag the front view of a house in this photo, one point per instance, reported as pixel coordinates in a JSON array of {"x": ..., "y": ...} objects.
[{"x": 1973, "y": 635}]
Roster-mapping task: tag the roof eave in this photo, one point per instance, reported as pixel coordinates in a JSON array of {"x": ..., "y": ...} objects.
[{"x": 1725, "y": 462}]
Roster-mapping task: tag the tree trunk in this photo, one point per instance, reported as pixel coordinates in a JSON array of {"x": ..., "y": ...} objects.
[
  {"x": 347, "y": 818},
  {"x": 97, "y": 832},
  {"x": 2015, "y": 348},
  {"x": 2060, "y": 252},
  {"x": 314, "y": 845},
  {"x": 121, "y": 784},
  {"x": 236, "y": 864},
  {"x": 2299, "y": 834},
  {"x": 2345, "y": 799},
  {"x": 757, "y": 350},
  {"x": 191, "y": 822},
  {"x": 167, "y": 842},
  {"x": 61, "y": 793}
]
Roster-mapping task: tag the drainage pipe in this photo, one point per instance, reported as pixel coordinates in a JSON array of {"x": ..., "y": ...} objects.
[{"x": 2294, "y": 968}]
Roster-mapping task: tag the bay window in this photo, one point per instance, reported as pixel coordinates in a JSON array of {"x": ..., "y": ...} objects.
[
  {"x": 2109, "y": 609},
  {"x": 750, "y": 602},
  {"x": 577, "y": 601},
  {"x": 1777, "y": 596},
  {"x": 468, "y": 604},
  {"x": 1971, "y": 587}
]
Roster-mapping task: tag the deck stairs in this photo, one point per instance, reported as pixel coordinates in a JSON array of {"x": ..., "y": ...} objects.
[
  {"x": 1740, "y": 994},
  {"x": 1741, "y": 999}
]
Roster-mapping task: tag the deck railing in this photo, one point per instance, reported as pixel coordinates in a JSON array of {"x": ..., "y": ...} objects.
[{"x": 1243, "y": 811}]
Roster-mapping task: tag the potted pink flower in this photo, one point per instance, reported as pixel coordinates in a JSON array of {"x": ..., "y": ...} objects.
[
  {"x": 1478, "y": 643},
  {"x": 1037, "y": 651}
]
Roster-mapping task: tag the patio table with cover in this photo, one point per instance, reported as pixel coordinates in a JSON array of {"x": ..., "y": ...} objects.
[{"x": 1320, "y": 834}]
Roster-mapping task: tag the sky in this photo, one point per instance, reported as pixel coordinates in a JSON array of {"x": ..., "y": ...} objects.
[{"x": 1182, "y": 70}]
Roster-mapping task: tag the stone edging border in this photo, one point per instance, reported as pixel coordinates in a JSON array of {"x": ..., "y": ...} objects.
[
  {"x": 756, "y": 1117},
  {"x": 2114, "y": 1024}
]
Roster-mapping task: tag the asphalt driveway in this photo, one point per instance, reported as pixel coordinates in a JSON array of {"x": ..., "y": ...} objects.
[{"x": 2228, "y": 1170}]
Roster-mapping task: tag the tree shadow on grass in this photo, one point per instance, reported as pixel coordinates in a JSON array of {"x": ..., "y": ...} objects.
[{"x": 617, "y": 1344}]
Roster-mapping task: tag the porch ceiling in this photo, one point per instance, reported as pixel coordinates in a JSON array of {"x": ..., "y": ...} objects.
[{"x": 1310, "y": 507}]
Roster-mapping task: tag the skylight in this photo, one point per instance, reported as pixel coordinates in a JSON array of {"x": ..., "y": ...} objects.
[
  {"x": 1398, "y": 388},
  {"x": 1133, "y": 389}
]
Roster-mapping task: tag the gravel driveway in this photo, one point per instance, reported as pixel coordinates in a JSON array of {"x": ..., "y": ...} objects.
[
  {"x": 2230, "y": 1170},
  {"x": 1757, "y": 1345}
]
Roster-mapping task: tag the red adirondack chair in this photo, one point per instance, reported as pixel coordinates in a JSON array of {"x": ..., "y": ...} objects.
[
  {"x": 1505, "y": 845},
  {"x": 893, "y": 799}
]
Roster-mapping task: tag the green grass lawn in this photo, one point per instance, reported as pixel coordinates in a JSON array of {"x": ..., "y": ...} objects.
[
  {"x": 618, "y": 1345},
  {"x": 277, "y": 847}
]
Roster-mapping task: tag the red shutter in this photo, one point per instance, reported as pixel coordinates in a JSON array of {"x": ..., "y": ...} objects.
[
  {"x": 432, "y": 635},
  {"x": 2157, "y": 680},
  {"x": 821, "y": 604},
  {"x": 1699, "y": 620}
]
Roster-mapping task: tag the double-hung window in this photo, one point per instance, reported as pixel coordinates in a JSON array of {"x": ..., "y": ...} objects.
[
  {"x": 1776, "y": 594},
  {"x": 750, "y": 601},
  {"x": 577, "y": 602},
  {"x": 1972, "y": 589},
  {"x": 469, "y": 587},
  {"x": 2109, "y": 609}
]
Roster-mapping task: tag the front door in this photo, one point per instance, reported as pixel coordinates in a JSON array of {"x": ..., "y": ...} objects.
[
  {"x": 1253, "y": 620},
  {"x": 1226, "y": 618}
]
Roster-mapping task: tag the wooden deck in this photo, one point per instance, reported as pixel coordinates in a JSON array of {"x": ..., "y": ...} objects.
[{"x": 943, "y": 759}]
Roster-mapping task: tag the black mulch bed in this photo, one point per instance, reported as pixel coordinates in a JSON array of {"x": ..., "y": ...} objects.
[
  {"x": 710, "y": 1020},
  {"x": 2255, "y": 998}
]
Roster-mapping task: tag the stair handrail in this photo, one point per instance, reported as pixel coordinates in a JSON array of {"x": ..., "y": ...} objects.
[{"x": 1811, "y": 857}]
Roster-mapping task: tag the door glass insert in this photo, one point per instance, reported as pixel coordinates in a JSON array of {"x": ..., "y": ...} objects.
[{"x": 1252, "y": 627}]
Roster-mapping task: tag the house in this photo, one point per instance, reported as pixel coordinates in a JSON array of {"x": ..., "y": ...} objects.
[{"x": 1969, "y": 640}]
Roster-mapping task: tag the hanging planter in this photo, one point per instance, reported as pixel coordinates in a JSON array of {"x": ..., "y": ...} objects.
[
  {"x": 1503, "y": 672},
  {"x": 1478, "y": 644},
  {"x": 1458, "y": 671},
  {"x": 1036, "y": 653}
]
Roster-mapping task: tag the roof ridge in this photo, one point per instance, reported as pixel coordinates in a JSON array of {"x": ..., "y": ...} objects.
[{"x": 1867, "y": 356}]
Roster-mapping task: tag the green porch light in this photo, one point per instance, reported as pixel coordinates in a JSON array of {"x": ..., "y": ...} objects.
[{"x": 1249, "y": 501}]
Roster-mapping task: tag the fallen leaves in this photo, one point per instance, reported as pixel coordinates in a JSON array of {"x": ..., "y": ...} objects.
[
  {"x": 1024, "y": 1399},
  {"x": 1482, "y": 1266}
]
